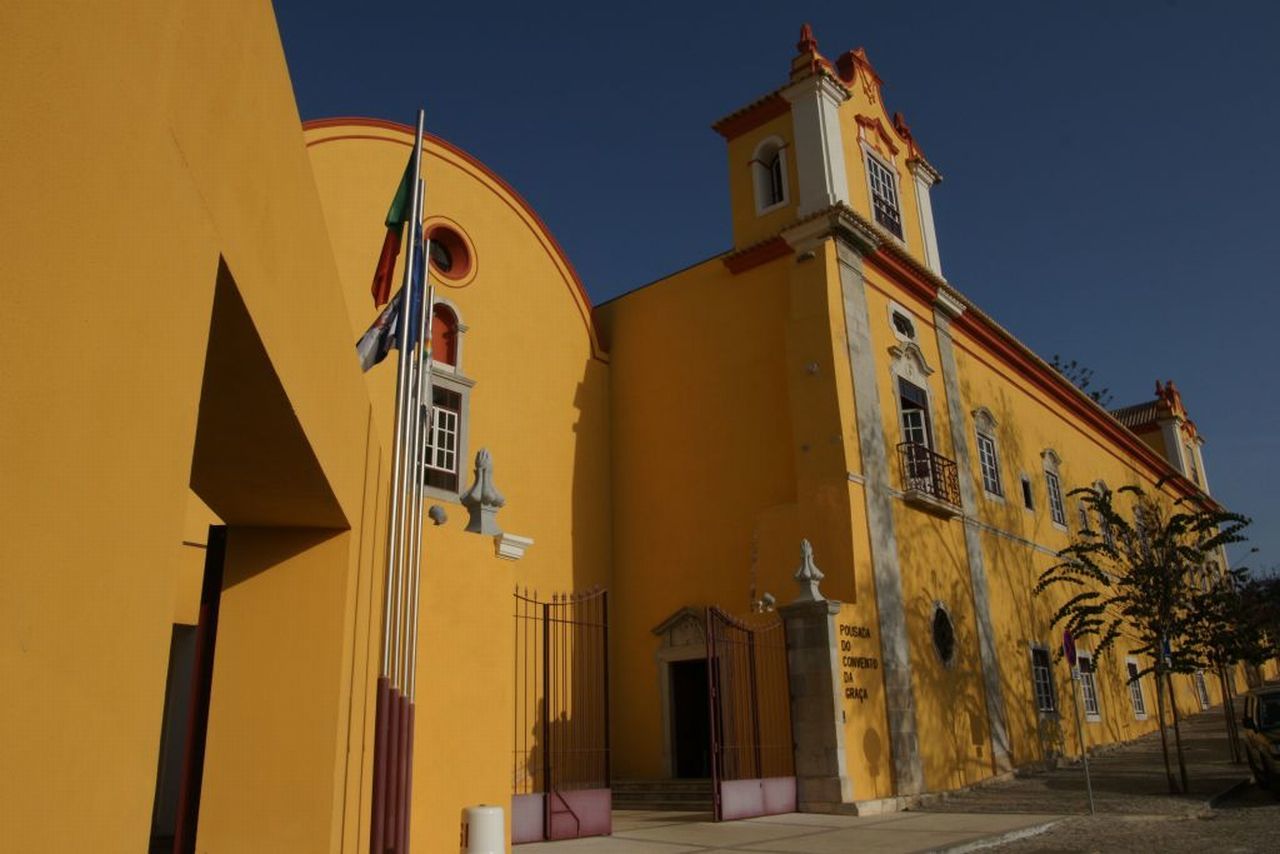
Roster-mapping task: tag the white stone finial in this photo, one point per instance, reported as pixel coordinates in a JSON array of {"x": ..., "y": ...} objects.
[
  {"x": 808, "y": 575},
  {"x": 483, "y": 498}
]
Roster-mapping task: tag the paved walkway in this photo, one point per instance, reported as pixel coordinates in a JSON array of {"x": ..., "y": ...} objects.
[
  {"x": 798, "y": 833},
  {"x": 1128, "y": 780}
]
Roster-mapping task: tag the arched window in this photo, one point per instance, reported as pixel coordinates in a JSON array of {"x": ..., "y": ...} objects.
[
  {"x": 1053, "y": 486},
  {"x": 769, "y": 174},
  {"x": 988, "y": 458},
  {"x": 444, "y": 336}
]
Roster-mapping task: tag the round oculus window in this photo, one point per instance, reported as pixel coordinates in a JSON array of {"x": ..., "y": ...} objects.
[
  {"x": 944, "y": 635},
  {"x": 450, "y": 252}
]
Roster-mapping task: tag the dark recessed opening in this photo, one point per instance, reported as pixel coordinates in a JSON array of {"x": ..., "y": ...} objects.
[
  {"x": 903, "y": 324},
  {"x": 944, "y": 635}
]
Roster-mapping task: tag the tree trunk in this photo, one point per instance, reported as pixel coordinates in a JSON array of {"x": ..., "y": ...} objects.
[
  {"x": 1164, "y": 738},
  {"x": 1177, "y": 735},
  {"x": 1229, "y": 712}
]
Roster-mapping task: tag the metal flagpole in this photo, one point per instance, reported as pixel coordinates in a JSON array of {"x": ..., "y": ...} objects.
[
  {"x": 419, "y": 420},
  {"x": 385, "y": 759},
  {"x": 425, "y": 412}
]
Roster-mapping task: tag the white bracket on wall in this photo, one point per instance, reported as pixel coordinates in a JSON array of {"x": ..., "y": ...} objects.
[{"x": 511, "y": 547}]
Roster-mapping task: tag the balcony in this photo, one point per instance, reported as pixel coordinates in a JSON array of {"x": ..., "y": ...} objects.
[{"x": 929, "y": 480}]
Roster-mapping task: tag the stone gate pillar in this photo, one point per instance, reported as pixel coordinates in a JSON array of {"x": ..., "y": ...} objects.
[{"x": 817, "y": 716}]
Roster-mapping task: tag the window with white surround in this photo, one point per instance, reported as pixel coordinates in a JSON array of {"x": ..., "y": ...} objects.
[
  {"x": 988, "y": 459},
  {"x": 1042, "y": 681},
  {"x": 1202, "y": 690},
  {"x": 769, "y": 174},
  {"x": 1053, "y": 487},
  {"x": 446, "y": 451},
  {"x": 1135, "y": 689},
  {"x": 884, "y": 195},
  {"x": 914, "y": 402},
  {"x": 1088, "y": 687},
  {"x": 442, "y": 445}
]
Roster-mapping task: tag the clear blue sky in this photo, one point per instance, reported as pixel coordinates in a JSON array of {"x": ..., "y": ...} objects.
[{"x": 1109, "y": 189}]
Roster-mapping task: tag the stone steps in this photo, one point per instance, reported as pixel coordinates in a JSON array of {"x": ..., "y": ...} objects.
[{"x": 666, "y": 795}]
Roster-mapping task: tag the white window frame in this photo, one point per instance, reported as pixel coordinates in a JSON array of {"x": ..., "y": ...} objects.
[
  {"x": 1202, "y": 689},
  {"x": 1042, "y": 677},
  {"x": 761, "y": 179},
  {"x": 1057, "y": 508},
  {"x": 989, "y": 465},
  {"x": 1089, "y": 687},
  {"x": 871, "y": 161},
  {"x": 1137, "y": 700}
]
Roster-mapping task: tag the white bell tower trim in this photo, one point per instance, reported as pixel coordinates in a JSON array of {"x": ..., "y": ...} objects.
[
  {"x": 924, "y": 178},
  {"x": 819, "y": 149}
]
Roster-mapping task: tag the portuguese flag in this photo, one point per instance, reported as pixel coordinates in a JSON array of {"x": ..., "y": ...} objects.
[{"x": 397, "y": 215}]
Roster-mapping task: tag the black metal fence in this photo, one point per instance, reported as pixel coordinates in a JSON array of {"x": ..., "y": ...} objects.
[
  {"x": 928, "y": 472},
  {"x": 562, "y": 706},
  {"x": 750, "y": 701}
]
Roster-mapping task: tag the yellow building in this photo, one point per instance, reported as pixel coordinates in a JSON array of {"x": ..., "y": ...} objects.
[{"x": 196, "y": 471}]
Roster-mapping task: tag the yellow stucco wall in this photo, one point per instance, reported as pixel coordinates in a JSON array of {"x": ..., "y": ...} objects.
[
  {"x": 544, "y": 417},
  {"x": 144, "y": 144}
]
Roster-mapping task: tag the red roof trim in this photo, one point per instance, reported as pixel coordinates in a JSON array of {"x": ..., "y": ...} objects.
[
  {"x": 751, "y": 117},
  {"x": 999, "y": 344},
  {"x": 521, "y": 205},
  {"x": 760, "y": 253}
]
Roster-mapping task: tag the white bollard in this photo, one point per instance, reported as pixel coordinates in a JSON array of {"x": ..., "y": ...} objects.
[{"x": 484, "y": 830}]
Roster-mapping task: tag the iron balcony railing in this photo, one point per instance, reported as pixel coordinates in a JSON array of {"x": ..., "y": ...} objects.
[{"x": 929, "y": 473}]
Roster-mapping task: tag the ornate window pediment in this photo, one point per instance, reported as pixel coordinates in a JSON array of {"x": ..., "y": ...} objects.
[
  {"x": 985, "y": 421},
  {"x": 909, "y": 361}
]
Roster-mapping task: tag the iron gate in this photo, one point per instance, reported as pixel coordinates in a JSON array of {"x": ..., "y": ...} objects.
[
  {"x": 753, "y": 759},
  {"x": 561, "y": 765}
]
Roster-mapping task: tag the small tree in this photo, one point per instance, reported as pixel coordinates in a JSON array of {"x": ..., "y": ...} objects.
[
  {"x": 1081, "y": 377},
  {"x": 1228, "y": 624},
  {"x": 1130, "y": 576}
]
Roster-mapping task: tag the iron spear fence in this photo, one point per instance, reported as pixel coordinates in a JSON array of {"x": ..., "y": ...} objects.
[{"x": 560, "y": 781}]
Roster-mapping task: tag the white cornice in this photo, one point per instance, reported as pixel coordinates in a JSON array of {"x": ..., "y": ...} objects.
[
  {"x": 923, "y": 171},
  {"x": 821, "y": 84},
  {"x": 948, "y": 305}
]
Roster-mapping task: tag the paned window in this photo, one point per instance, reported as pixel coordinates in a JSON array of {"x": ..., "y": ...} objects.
[
  {"x": 1135, "y": 691},
  {"x": 1088, "y": 686},
  {"x": 990, "y": 464},
  {"x": 1054, "y": 487},
  {"x": 1042, "y": 680},
  {"x": 884, "y": 196},
  {"x": 442, "y": 448},
  {"x": 915, "y": 414}
]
